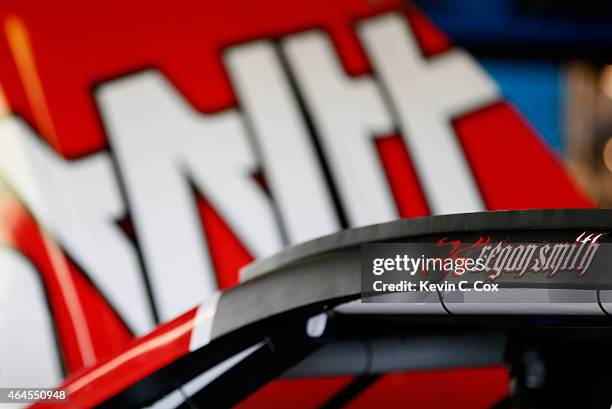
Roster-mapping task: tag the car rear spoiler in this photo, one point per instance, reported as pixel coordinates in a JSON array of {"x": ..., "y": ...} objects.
[{"x": 264, "y": 318}]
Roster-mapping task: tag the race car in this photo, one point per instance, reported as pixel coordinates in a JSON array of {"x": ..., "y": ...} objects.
[{"x": 302, "y": 319}]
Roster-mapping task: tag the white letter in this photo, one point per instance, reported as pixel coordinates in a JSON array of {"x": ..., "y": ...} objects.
[
  {"x": 348, "y": 113},
  {"x": 295, "y": 176},
  {"x": 79, "y": 203},
  {"x": 427, "y": 94},
  {"x": 28, "y": 353},
  {"x": 160, "y": 143}
]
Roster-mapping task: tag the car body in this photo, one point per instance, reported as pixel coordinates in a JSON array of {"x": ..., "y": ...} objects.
[{"x": 298, "y": 314}]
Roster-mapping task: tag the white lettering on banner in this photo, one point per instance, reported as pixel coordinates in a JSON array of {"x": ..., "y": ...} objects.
[
  {"x": 416, "y": 86},
  {"x": 162, "y": 146},
  {"x": 160, "y": 143},
  {"x": 29, "y": 354},
  {"x": 348, "y": 113},
  {"x": 78, "y": 202},
  {"x": 289, "y": 159}
]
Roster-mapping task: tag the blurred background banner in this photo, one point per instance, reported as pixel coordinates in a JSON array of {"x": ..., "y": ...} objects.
[
  {"x": 552, "y": 60},
  {"x": 148, "y": 150}
]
